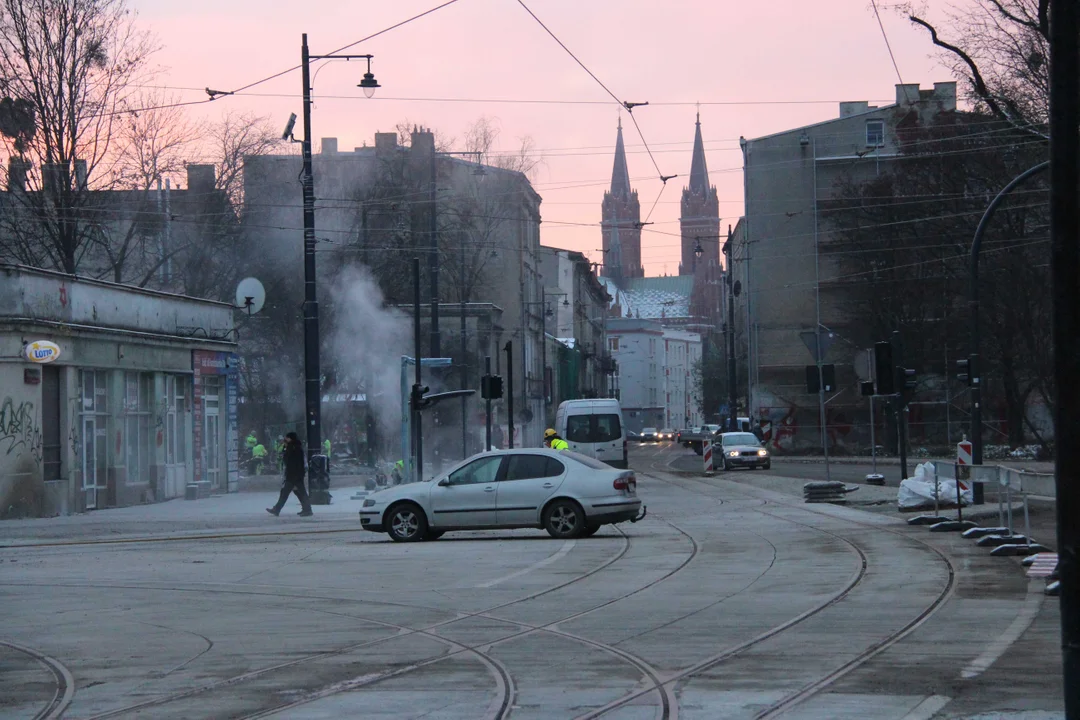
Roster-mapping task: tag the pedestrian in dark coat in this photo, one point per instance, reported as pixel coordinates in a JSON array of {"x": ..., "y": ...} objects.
[{"x": 293, "y": 481}]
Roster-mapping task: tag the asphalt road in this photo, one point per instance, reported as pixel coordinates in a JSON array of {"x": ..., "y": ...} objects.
[{"x": 727, "y": 601}]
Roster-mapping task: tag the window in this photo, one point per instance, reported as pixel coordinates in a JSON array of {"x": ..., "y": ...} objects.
[
  {"x": 577, "y": 428},
  {"x": 526, "y": 467},
  {"x": 608, "y": 428},
  {"x": 875, "y": 133},
  {"x": 740, "y": 439},
  {"x": 137, "y": 445},
  {"x": 593, "y": 428},
  {"x": 613, "y": 344},
  {"x": 477, "y": 472},
  {"x": 176, "y": 420}
]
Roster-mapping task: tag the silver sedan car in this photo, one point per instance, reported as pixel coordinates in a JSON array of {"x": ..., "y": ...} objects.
[{"x": 565, "y": 493}]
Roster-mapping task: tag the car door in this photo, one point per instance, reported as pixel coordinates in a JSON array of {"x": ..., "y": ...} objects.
[
  {"x": 528, "y": 481},
  {"x": 466, "y": 498}
]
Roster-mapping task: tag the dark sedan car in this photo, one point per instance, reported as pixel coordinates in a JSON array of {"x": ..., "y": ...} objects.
[{"x": 740, "y": 449}]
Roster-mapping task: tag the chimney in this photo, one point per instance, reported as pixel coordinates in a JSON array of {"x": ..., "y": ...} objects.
[
  {"x": 329, "y": 146},
  {"x": 80, "y": 175},
  {"x": 907, "y": 94},
  {"x": 945, "y": 95},
  {"x": 17, "y": 172},
  {"x": 201, "y": 179},
  {"x": 423, "y": 142},
  {"x": 385, "y": 143},
  {"x": 848, "y": 109}
]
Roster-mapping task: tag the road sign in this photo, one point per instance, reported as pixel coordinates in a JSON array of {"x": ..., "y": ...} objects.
[
  {"x": 1043, "y": 565},
  {"x": 810, "y": 339}
]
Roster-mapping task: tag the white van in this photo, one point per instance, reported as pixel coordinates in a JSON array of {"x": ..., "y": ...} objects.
[{"x": 594, "y": 428}]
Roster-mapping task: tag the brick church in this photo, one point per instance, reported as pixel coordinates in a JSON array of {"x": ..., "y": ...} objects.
[{"x": 691, "y": 299}]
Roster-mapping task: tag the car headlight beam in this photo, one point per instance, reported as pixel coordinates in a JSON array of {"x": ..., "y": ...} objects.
[
  {"x": 369, "y": 502},
  {"x": 733, "y": 453},
  {"x": 762, "y": 453}
]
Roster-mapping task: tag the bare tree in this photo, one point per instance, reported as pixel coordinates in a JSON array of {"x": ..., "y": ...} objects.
[
  {"x": 1002, "y": 49},
  {"x": 230, "y": 141},
  {"x": 76, "y": 63},
  {"x": 482, "y": 136}
]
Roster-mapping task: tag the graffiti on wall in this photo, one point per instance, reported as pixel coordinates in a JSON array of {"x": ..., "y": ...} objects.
[{"x": 20, "y": 431}]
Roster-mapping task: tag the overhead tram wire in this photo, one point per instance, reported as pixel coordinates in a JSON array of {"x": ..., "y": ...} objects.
[
  {"x": 888, "y": 46},
  {"x": 627, "y": 105},
  {"x": 268, "y": 78}
]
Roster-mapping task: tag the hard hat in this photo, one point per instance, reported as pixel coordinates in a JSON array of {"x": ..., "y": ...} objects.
[{"x": 550, "y": 433}]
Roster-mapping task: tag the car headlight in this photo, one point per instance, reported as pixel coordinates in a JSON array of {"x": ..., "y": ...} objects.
[
  {"x": 733, "y": 453},
  {"x": 762, "y": 453},
  {"x": 369, "y": 502}
]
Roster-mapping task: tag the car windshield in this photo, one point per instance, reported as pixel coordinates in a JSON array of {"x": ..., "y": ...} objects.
[
  {"x": 649, "y": 430},
  {"x": 740, "y": 439}
]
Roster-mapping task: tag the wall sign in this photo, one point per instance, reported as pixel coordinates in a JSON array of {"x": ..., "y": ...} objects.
[{"x": 42, "y": 351}]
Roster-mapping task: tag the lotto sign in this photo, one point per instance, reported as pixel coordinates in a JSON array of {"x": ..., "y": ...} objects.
[{"x": 42, "y": 351}]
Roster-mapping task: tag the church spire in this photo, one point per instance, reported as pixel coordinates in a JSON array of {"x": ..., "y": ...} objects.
[
  {"x": 699, "y": 173},
  {"x": 620, "y": 175}
]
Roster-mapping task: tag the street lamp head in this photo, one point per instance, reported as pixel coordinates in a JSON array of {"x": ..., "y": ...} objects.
[
  {"x": 368, "y": 84},
  {"x": 698, "y": 250}
]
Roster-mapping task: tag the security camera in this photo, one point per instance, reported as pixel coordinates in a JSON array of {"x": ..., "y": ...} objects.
[{"x": 287, "y": 135}]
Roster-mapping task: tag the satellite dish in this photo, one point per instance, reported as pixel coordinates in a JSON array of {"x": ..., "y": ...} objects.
[{"x": 250, "y": 295}]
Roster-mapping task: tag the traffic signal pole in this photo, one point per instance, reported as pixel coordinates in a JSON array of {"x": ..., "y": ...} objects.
[{"x": 1065, "y": 259}]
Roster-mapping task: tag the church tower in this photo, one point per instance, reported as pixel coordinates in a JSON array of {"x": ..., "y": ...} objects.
[
  {"x": 621, "y": 221},
  {"x": 700, "y": 221}
]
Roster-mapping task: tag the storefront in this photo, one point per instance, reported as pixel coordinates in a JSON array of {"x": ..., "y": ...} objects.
[{"x": 134, "y": 400}]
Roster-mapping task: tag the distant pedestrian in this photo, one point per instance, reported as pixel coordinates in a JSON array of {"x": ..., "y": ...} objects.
[
  {"x": 293, "y": 481},
  {"x": 553, "y": 441}
]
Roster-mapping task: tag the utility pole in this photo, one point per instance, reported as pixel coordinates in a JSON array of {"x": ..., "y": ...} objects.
[
  {"x": 732, "y": 399},
  {"x": 487, "y": 400},
  {"x": 1065, "y": 258},
  {"x": 901, "y": 404},
  {"x": 433, "y": 256},
  {"x": 464, "y": 361},
  {"x": 312, "y": 372},
  {"x": 318, "y": 474},
  {"x": 510, "y": 392},
  {"x": 417, "y": 389}
]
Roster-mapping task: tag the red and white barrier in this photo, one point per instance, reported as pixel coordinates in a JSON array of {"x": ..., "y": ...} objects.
[
  {"x": 963, "y": 453},
  {"x": 706, "y": 452}
]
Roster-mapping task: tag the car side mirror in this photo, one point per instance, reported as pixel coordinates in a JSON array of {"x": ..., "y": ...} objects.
[{"x": 444, "y": 482}]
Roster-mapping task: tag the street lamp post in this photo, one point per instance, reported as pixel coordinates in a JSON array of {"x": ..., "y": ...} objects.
[
  {"x": 730, "y": 332},
  {"x": 312, "y": 372}
]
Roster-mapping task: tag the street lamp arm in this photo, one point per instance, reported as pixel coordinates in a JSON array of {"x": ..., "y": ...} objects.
[
  {"x": 340, "y": 57},
  {"x": 973, "y": 289}
]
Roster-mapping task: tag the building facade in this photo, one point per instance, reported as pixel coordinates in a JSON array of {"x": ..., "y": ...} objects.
[
  {"x": 475, "y": 228},
  {"x": 638, "y": 349},
  {"x": 682, "y": 394},
  {"x": 790, "y": 286},
  {"x": 137, "y": 404}
]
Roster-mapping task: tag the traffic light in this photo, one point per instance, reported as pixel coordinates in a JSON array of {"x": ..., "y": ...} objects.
[
  {"x": 965, "y": 370},
  {"x": 828, "y": 377},
  {"x": 813, "y": 386},
  {"x": 491, "y": 387},
  {"x": 416, "y": 399},
  {"x": 884, "y": 372},
  {"x": 866, "y": 388}
]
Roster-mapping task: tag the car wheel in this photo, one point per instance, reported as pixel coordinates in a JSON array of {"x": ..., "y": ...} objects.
[
  {"x": 563, "y": 519},
  {"x": 727, "y": 465},
  {"x": 590, "y": 530},
  {"x": 434, "y": 534},
  {"x": 406, "y": 523},
  {"x": 698, "y": 450},
  {"x": 767, "y": 465}
]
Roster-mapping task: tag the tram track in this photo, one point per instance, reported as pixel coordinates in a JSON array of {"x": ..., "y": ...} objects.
[
  {"x": 815, "y": 688},
  {"x": 64, "y": 692}
]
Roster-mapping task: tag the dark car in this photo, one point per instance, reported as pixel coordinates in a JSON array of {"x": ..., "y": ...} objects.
[
  {"x": 649, "y": 435},
  {"x": 740, "y": 449}
]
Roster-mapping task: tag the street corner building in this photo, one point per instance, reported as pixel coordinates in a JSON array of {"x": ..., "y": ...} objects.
[{"x": 111, "y": 395}]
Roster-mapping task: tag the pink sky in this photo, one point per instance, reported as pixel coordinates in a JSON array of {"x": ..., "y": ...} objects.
[{"x": 662, "y": 51}]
